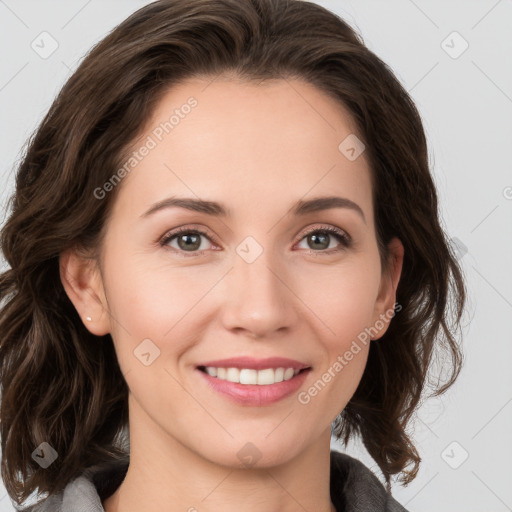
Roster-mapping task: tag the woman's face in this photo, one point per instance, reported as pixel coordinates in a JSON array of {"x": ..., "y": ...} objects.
[{"x": 263, "y": 281}]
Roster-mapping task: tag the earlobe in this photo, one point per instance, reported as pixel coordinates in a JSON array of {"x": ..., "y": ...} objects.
[
  {"x": 385, "y": 304},
  {"x": 82, "y": 282}
]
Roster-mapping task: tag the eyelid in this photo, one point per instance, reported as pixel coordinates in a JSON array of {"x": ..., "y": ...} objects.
[{"x": 325, "y": 227}]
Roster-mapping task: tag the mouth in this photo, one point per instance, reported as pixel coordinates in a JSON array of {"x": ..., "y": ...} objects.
[{"x": 253, "y": 388}]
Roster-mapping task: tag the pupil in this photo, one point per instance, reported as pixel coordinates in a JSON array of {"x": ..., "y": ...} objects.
[
  {"x": 183, "y": 242},
  {"x": 323, "y": 238}
]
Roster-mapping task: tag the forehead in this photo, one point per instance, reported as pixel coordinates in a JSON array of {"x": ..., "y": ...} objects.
[{"x": 245, "y": 143}]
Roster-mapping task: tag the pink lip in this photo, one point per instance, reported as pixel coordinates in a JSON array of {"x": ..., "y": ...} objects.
[
  {"x": 253, "y": 394},
  {"x": 256, "y": 364}
]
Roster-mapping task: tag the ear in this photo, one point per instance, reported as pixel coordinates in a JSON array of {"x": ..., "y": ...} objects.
[
  {"x": 385, "y": 303},
  {"x": 81, "y": 278}
]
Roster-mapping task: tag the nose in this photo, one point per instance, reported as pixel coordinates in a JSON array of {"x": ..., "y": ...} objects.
[{"x": 258, "y": 299}]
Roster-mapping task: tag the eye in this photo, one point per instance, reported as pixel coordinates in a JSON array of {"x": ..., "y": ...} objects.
[
  {"x": 323, "y": 236},
  {"x": 187, "y": 240}
]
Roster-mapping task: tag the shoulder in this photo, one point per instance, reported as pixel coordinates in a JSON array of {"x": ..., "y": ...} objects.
[
  {"x": 79, "y": 494},
  {"x": 52, "y": 503},
  {"x": 86, "y": 492},
  {"x": 355, "y": 488}
]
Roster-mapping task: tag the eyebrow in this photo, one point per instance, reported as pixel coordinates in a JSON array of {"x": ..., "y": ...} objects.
[{"x": 216, "y": 209}]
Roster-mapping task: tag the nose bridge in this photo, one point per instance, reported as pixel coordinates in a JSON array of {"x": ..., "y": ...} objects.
[{"x": 259, "y": 299}]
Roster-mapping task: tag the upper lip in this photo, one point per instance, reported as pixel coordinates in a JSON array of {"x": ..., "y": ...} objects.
[{"x": 256, "y": 364}]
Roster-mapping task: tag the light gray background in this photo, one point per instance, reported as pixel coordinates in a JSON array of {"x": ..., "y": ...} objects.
[{"x": 466, "y": 105}]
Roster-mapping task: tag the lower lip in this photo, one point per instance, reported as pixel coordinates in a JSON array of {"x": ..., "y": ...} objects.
[{"x": 254, "y": 394}]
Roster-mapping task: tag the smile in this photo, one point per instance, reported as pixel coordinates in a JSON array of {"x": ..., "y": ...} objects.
[{"x": 262, "y": 387}]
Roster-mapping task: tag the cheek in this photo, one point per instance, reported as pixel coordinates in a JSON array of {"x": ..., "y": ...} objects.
[
  {"x": 152, "y": 298},
  {"x": 342, "y": 298},
  {"x": 160, "y": 303}
]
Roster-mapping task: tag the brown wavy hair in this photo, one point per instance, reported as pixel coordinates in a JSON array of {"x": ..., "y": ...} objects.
[{"x": 61, "y": 384}]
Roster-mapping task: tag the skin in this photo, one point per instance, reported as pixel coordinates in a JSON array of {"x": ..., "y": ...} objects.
[{"x": 257, "y": 149}]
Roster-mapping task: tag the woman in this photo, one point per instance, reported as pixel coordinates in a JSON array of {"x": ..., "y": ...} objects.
[{"x": 224, "y": 246}]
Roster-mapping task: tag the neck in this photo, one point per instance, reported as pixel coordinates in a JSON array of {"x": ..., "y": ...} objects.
[{"x": 165, "y": 475}]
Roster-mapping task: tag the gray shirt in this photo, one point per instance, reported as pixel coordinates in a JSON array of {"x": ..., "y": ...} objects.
[{"x": 353, "y": 488}]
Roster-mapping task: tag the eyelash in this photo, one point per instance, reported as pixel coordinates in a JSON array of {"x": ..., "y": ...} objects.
[{"x": 342, "y": 237}]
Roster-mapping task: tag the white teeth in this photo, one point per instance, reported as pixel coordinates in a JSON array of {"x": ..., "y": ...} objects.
[
  {"x": 247, "y": 377},
  {"x": 288, "y": 374},
  {"x": 233, "y": 375},
  {"x": 250, "y": 376},
  {"x": 266, "y": 376}
]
